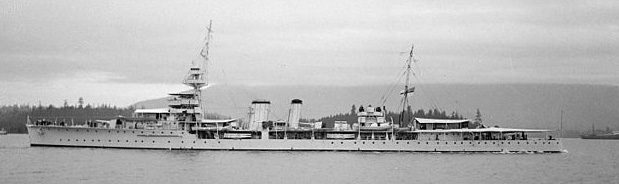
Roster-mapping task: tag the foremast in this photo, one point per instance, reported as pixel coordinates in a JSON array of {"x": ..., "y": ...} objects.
[{"x": 197, "y": 79}]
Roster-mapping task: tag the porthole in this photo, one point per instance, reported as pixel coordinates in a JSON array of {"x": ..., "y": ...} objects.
[
  {"x": 204, "y": 142},
  {"x": 355, "y": 142},
  {"x": 98, "y": 140},
  {"x": 60, "y": 140},
  {"x": 437, "y": 142},
  {"x": 372, "y": 142},
  {"x": 527, "y": 142},
  {"x": 194, "y": 142},
  {"x": 161, "y": 132},
  {"x": 87, "y": 130},
  {"x": 142, "y": 132},
  {"x": 84, "y": 140},
  {"x": 518, "y": 142},
  {"x": 96, "y": 131},
  {"x": 124, "y": 131},
  {"x": 153, "y": 141},
  {"x": 182, "y": 132},
  {"x": 168, "y": 141},
  {"x": 485, "y": 142},
  {"x": 218, "y": 142},
  {"x": 331, "y": 142},
  {"x": 509, "y": 143},
  {"x": 170, "y": 132},
  {"x": 427, "y": 143},
  {"x": 182, "y": 141},
  {"x": 455, "y": 143},
  {"x": 117, "y": 131},
  {"x": 77, "y": 130},
  {"x": 93, "y": 140},
  {"x": 127, "y": 140},
  {"x": 493, "y": 142},
  {"x": 109, "y": 140},
  {"x": 67, "y": 130},
  {"x": 461, "y": 142},
  {"x": 142, "y": 141},
  {"x": 397, "y": 142},
  {"x": 341, "y": 142},
  {"x": 109, "y": 131},
  {"x": 117, "y": 140},
  {"x": 535, "y": 143},
  {"x": 153, "y": 132},
  {"x": 383, "y": 142},
  {"x": 133, "y": 132},
  {"x": 363, "y": 142},
  {"x": 68, "y": 140},
  {"x": 502, "y": 142},
  {"x": 136, "y": 140}
]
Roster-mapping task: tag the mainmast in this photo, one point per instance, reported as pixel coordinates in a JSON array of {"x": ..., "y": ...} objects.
[{"x": 407, "y": 90}]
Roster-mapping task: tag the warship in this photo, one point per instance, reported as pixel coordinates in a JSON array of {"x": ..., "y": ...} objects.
[{"x": 183, "y": 125}]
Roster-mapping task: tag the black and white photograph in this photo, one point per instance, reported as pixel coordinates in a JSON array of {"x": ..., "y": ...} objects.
[{"x": 320, "y": 92}]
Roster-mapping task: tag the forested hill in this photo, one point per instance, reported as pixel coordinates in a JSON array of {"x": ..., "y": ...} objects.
[{"x": 13, "y": 118}]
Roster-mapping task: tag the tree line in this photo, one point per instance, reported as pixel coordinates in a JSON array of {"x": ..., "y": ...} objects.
[{"x": 14, "y": 117}]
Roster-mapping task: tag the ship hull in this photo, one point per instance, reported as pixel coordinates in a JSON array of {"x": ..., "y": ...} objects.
[{"x": 173, "y": 139}]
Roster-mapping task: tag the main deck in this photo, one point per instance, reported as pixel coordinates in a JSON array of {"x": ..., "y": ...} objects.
[{"x": 178, "y": 139}]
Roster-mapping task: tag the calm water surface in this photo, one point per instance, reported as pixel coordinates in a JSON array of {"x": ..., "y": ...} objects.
[{"x": 588, "y": 161}]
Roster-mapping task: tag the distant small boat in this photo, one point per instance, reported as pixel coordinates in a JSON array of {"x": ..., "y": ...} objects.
[
  {"x": 612, "y": 135},
  {"x": 593, "y": 135},
  {"x": 3, "y": 132}
]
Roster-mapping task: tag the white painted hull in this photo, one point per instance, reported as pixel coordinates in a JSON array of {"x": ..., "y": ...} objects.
[{"x": 167, "y": 139}]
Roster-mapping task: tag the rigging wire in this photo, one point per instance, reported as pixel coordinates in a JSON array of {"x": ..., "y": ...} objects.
[
  {"x": 273, "y": 113},
  {"x": 390, "y": 91},
  {"x": 283, "y": 65},
  {"x": 387, "y": 94},
  {"x": 433, "y": 101},
  {"x": 230, "y": 95}
]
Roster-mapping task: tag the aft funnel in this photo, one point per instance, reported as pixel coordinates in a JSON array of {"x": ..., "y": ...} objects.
[{"x": 295, "y": 113}]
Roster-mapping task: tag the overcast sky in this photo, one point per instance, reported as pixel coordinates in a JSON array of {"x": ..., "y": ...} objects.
[{"x": 120, "y": 52}]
